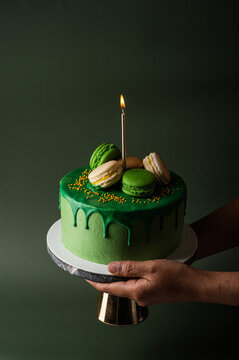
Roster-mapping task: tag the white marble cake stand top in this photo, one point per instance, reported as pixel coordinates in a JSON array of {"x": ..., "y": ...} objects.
[{"x": 83, "y": 268}]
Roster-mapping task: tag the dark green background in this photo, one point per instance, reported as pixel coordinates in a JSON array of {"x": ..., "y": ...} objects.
[{"x": 63, "y": 65}]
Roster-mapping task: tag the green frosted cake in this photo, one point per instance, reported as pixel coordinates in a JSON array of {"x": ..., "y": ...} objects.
[{"x": 104, "y": 225}]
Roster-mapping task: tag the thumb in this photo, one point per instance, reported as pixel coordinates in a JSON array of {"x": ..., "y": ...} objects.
[{"x": 128, "y": 268}]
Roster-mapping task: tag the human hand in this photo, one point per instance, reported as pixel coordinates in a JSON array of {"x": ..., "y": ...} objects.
[{"x": 153, "y": 282}]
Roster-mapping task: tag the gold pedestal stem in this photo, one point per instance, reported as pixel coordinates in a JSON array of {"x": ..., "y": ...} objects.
[{"x": 119, "y": 311}]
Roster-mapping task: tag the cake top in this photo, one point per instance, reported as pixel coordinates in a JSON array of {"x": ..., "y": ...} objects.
[
  {"x": 76, "y": 186},
  {"x": 108, "y": 168},
  {"x": 122, "y": 196}
]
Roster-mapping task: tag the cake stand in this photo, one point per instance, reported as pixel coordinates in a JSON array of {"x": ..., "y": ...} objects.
[{"x": 110, "y": 309}]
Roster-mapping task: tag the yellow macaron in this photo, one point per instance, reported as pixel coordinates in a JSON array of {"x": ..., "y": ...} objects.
[
  {"x": 106, "y": 174},
  {"x": 132, "y": 162}
]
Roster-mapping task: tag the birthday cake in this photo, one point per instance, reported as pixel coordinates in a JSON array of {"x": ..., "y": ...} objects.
[{"x": 113, "y": 212}]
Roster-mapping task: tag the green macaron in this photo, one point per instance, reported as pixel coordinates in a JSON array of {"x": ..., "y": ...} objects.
[
  {"x": 138, "y": 182},
  {"x": 103, "y": 153}
]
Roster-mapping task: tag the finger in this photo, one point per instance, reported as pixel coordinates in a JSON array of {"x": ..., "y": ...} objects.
[
  {"x": 119, "y": 288},
  {"x": 129, "y": 268}
]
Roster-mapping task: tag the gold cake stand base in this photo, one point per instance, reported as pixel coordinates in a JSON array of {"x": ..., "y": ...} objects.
[{"x": 119, "y": 311}]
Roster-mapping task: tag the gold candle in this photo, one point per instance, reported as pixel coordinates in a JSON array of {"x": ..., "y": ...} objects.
[{"x": 123, "y": 128}]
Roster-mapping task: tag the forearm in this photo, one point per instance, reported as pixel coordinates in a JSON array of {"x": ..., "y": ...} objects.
[
  {"x": 218, "y": 231},
  {"x": 215, "y": 287}
]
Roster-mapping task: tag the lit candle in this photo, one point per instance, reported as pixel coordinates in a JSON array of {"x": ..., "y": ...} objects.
[{"x": 123, "y": 128}]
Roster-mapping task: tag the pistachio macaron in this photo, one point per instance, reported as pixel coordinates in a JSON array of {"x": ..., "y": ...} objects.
[
  {"x": 106, "y": 174},
  {"x": 155, "y": 164},
  {"x": 138, "y": 183},
  {"x": 103, "y": 153}
]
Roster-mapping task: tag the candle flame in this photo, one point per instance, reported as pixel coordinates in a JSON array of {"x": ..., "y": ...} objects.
[{"x": 122, "y": 103}]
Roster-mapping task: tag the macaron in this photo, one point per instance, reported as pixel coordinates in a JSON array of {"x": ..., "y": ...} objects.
[
  {"x": 132, "y": 162},
  {"x": 103, "y": 153},
  {"x": 106, "y": 174},
  {"x": 138, "y": 182},
  {"x": 155, "y": 164}
]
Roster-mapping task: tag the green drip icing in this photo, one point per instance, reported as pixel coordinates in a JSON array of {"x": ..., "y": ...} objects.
[
  {"x": 106, "y": 223},
  {"x": 87, "y": 213},
  {"x": 105, "y": 220},
  {"x": 125, "y": 213},
  {"x": 129, "y": 236},
  {"x": 75, "y": 211}
]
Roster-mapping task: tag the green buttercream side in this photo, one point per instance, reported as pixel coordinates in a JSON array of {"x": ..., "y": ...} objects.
[
  {"x": 147, "y": 241},
  {"x": 118, "y": 211},
  {"x": 59, "y": 207}
]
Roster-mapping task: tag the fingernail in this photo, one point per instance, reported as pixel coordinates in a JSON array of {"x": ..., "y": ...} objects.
[{"x": 114, "y": 267}]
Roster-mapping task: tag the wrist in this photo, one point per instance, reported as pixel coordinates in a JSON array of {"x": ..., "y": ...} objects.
[
  {"x": 203, "y": 286},
  {"x": 187, "y": 284},
  {"x": 193, "y": 285}
]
